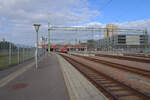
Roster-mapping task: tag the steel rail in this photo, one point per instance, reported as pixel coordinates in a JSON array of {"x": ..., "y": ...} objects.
[
  {"x": 142, "y": 72},
  {"x": 145, "y": 60}
]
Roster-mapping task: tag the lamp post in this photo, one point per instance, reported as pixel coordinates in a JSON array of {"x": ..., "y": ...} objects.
[{"x": 36, "y": 26}]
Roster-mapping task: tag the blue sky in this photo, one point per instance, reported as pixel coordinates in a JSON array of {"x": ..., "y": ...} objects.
[{"x": 121, "y": 10}]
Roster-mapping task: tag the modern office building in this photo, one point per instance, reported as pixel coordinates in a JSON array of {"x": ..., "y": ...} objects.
[
  {"x": 124, "y": 42},
  {"x": 110, "y": 30}
]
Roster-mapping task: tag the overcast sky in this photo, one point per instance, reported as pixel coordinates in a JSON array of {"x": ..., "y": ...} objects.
[{"x": 18, "y": 16}]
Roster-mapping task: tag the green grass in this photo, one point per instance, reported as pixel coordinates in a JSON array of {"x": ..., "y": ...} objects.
[
  {"x": 4, "y": 61},
  {"x": 7, "y": 53},
  {"x": 4, "y": 53}
]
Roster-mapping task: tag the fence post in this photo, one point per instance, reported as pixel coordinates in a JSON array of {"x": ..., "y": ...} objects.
[
  {"x": 9, "y": 53},
  {"x": 23, "y": 54},
  {"x": 18, "y": 56}
]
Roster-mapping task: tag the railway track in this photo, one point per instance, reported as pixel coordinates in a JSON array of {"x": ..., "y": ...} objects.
[
  {"x": 138, "y": 71},
  {"x": 137, "y": 55},
  {"x": 131, "y": 58},
  {"x": 112, "y": 88}
]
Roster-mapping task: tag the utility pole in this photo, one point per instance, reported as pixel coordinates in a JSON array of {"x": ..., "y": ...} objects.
[
  {"x": 146, "y": 41},
  {"x": 48, "y": 37}
]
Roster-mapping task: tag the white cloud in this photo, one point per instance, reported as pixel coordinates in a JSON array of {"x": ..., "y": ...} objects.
[
  {"x": 95, "y": 24},
  {"x": 61, "y": 11},
  {"x": 18, "y": 16},
  {"x": 139, "y": 24}
]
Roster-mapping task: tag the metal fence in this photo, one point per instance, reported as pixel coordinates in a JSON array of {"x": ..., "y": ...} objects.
[{"x": 12, "y": 54}]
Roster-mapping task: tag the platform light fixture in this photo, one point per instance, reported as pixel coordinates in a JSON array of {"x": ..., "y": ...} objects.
[{"x": 36, "y": 26}]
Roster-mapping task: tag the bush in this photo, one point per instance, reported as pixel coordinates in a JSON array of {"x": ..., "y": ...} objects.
[{"x": 5, "y": 45}]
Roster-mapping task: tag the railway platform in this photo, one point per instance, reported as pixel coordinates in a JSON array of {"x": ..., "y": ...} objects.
[
  {"x": 55, "y": 79},
  {"x": 29, "y": 83}
]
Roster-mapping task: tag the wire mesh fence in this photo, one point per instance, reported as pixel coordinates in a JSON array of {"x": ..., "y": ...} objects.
[
  {"x": 18, "y": 45},
  {"x": 12, "y": 54}
]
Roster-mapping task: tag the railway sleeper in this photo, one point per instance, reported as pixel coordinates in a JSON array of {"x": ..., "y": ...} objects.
[
  {"x": 121, "y": 89},
  {"x": 107, "y": 86},
  {"x": 92, "y": 74},
  {"x": 123, "y": 95},
  {"x": 106, "y": 82},
  {"x": 97, "y": 78}
]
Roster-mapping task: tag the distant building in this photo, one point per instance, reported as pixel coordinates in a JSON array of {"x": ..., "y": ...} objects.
[
  {"x": 124, "y": 42},
  {"x": 149, "y": 38},
  {"x": 110, "y": 30}
]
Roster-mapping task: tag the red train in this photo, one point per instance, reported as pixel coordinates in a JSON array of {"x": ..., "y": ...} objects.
[{"x": 63, "y": 50}]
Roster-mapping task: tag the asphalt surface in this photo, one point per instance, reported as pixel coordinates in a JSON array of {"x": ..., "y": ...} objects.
[{"x": 44, "y": 83}]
